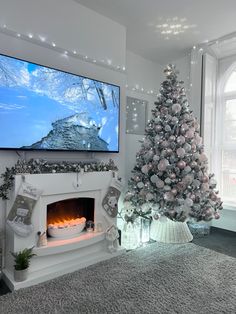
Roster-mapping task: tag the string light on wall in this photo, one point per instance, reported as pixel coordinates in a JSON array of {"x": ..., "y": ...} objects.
[
  {"x": 141, "y": 90},
  {"x": 41, "y": 41}
]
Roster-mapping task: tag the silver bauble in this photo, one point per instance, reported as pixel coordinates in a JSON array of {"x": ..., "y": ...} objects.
[{"x": 168, "y": 196}]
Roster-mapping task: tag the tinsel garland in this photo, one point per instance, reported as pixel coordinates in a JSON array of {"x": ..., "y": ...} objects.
[{"x": 39, "y": 166}]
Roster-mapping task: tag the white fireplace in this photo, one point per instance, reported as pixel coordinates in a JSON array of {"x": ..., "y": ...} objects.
[{"x": 61, "y": 255}]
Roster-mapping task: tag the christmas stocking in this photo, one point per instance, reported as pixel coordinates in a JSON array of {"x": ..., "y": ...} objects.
[
  {"x": 19, "y": 217},
  {"x": 110, "y": 201}
]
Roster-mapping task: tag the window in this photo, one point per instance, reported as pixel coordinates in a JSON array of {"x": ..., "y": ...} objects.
[{"x": 226, "y": 137}]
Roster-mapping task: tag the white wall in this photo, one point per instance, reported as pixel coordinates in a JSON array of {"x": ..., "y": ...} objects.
[
  {"x": 141, "y": 73},
  {"x": 71, "y": 26}
]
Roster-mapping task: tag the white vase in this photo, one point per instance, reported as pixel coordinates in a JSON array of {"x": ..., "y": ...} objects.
[
  {"x": 20, "y": 275},
  {"x": 168, "y": 231}
]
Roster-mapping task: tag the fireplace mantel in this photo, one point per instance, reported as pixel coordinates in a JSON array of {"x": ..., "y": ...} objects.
[{"x": 61, "y": 256}]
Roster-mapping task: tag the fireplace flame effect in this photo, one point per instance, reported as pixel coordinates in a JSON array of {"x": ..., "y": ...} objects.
[{"x": 61, "y": 223}]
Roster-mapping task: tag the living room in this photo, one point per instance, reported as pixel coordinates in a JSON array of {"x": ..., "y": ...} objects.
[{"x": 97, "y": 73}]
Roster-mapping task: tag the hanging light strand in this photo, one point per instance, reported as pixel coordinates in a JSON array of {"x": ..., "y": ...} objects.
[{"x": 41, "y": 41}]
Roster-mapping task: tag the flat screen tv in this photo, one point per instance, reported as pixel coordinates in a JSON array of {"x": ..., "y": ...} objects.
[{"x": 42, "y": 108}]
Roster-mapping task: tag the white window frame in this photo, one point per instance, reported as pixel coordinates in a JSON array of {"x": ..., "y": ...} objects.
[{"x": 220, "y": 145}]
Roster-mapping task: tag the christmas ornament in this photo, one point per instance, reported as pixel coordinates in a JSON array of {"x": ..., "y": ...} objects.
[
  {"x": 180, "y": 140},
  {"x": 172, "y": 163},
  {"x": 180, "y": 152},
  {"x": 176, "y": 108}
]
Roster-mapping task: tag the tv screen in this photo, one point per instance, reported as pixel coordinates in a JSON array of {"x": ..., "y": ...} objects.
[{"x": 42, "y": 108}]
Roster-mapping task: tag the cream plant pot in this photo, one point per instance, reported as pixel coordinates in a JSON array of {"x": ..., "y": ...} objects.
[
  {"x": 168, "y": 231},
  {"x": 20, "y": 275}
]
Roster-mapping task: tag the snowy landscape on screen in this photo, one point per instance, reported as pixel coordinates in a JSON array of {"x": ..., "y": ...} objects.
[{"x": 43, "y": 108}]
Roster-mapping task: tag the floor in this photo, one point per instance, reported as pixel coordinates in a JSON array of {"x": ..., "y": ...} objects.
[{"x": 219, "y": 240}]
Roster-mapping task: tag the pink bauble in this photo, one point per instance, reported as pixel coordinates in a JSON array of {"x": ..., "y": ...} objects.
[
  {"x": 172, "y": 212},
  {"x": 184, "y": 128},
  {"x": 180, "y": 140},
  {"x": 186, "y": 116},
  {"x": 176, "y": 108},
  {"x": 198, "y": 139},
  {"x": 168, "y": 196},
  {"x": 203, "y": 157},
  {"x": 205, "y": 179},
  {"x": 180, "y": 152},
  {"x": 181, "y": 164},
  {"x": 142, "y": 192},
  {"x": 164, "y": 110},
  {"x": 163, "y": 164},
  {"x": 165, "y": 144},
  {"x": 174, "y": 191},
  {"x": 213, "y": 197},
  {"x": 205, "y": 187},
  {"x": 128, "y": 196},
  {"x": 157, "y": 138},
  {"x": 187, "y": 169},
  {"x": 196, "y": 125},
  {"x": 189, "y": 133},
  {"x": 160, "y": 184},
  {"x": 188, "y": 202},
  {"x": 193, "y": 164},
  {"x": 158, "y": 128},
  {"x": 174, "y": 120},
  {"x": 217, "y": 215},
  {"x": 208, "y": 211},
  {"x": 136, "y": 178},
  {"x": 169, "y": 151},
  {"x": 156, "y": 158},
  {"x": 154, "y": 178},
  {"x": 172, "y": 176},
  {"x": 172, "y": 138},
  {"x": 180, "y": 186},
  {"x": 144, "y": 169},
  {"x": 149, "y": 196}
]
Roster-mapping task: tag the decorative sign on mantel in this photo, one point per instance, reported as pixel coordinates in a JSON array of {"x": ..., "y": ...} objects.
[{"x": 39, "y": 166}]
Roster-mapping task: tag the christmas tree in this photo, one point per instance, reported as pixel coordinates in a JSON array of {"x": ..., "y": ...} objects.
[{"x": 170, "y": 176}]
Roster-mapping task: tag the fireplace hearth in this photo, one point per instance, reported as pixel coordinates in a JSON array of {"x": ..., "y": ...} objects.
[{"x": 66, "y": 207}]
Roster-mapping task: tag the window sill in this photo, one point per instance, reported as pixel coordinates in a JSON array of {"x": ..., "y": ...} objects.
[{"x": 229, "y": 207}]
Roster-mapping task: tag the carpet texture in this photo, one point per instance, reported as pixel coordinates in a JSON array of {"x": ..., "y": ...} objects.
[{"x": 160, "y": 278}]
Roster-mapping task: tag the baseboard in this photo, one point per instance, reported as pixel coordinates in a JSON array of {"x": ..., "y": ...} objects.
[{"x": 230, "y": 232}]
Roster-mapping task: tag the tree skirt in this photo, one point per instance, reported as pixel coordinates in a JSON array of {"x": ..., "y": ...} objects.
[{"x": 159, "y": 278}]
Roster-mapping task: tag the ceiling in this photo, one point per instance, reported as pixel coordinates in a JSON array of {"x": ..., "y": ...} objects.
[{"x": 164, "y": 30}]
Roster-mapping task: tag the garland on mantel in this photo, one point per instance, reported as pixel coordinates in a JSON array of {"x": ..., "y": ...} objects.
[{"x": 39, "y": 166}]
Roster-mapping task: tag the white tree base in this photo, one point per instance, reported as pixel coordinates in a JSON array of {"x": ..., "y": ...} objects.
[{"x": 168, "y": 231}]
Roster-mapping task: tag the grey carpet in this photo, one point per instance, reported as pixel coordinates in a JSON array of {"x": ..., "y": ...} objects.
[{"x": 160, "y": 278}]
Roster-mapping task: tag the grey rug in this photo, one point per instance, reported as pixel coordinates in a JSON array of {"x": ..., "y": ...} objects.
[{"x": 160, "y": 278}]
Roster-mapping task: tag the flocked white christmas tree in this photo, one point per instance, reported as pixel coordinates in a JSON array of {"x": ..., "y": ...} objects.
[{"x": 171, "y": 174}]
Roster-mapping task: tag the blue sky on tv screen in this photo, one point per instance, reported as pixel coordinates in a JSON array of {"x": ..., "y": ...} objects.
[{"x": 32, "y": 97}]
